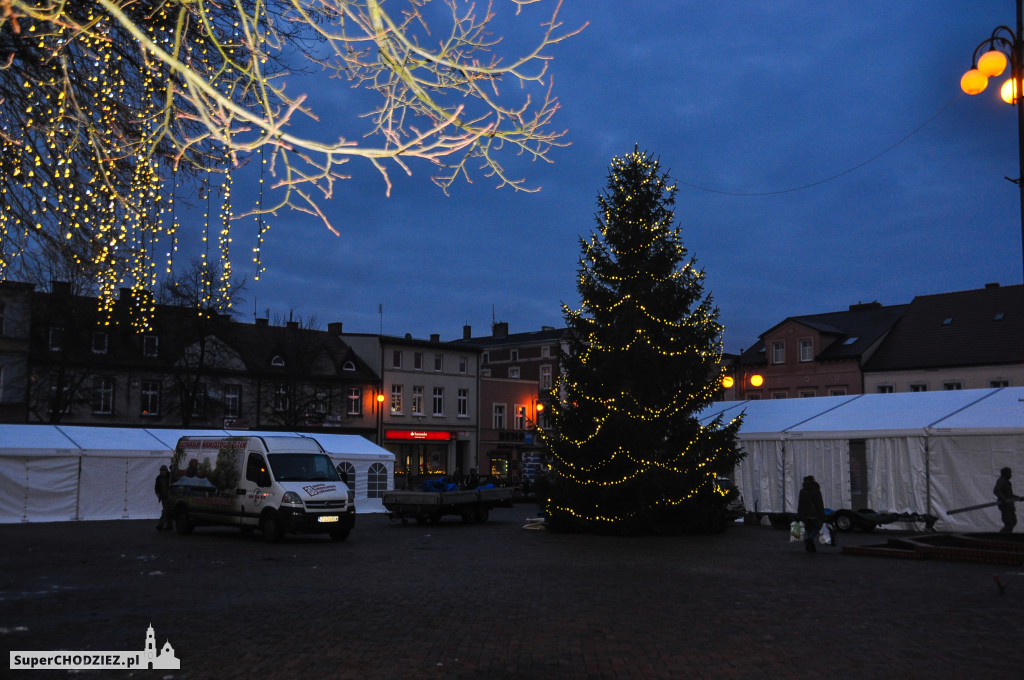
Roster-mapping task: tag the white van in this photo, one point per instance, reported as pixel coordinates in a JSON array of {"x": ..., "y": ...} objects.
[{"x": 278, "y": 485}]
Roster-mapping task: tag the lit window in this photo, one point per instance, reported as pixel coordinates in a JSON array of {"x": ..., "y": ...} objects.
[
  {"x": 396, "y": 399},
  {"x": 417, "y": 400},
  {"x": 150, "y": 398}
]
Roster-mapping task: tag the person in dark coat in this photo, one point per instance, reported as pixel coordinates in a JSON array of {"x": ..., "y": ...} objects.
[
  {"x": 1004, "y": 494},
  {"x": 473, "y": 480},
  {"x": 162, "y": 487},
  {"x": 811, "y": 511}
]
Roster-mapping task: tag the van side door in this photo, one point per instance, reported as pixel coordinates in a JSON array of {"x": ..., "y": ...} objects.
[{"x": 251, "y": 489}]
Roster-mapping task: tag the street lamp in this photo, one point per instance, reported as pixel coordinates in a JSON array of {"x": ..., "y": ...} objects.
[{"x": 990, "y": 59}]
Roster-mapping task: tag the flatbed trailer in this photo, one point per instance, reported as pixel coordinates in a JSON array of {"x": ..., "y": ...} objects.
[
  {"x": 472, "y": 505},
  {"x": 848, "y": 520}
]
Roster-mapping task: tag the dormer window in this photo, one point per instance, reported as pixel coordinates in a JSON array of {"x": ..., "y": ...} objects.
[
  {"x": 150, "y": 345},
  {"x": 348, "y": 366},
  {"x": 278, "y": 360},
  {"x": 999, "y": 317},
  {"x": 948, "y": 321}
]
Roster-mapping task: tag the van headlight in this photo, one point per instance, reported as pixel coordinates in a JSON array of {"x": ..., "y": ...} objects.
[{"x": 291, "y": 498}]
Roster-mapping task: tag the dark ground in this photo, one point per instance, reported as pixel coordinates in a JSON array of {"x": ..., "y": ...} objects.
[{"x": 495, "y": 601}]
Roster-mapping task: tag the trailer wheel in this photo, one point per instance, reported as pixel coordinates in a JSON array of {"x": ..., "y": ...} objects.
[
  {"x": 843, "y": 522},
  {"x": 270, "y": 526},
  {"x": 468, "y": 516},
  {"x": 482, "y": 514},
  {"x": 182, "y": 523}
]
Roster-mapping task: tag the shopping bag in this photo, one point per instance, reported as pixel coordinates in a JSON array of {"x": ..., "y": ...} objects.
[
  {"x": 827, "y": 536},
  {"x": 796, "y": 532}
]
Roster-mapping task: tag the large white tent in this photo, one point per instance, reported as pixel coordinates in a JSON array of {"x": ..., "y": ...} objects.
[
  {"x": 925, "y": 452},
  {"x": 63, "y": 472}
]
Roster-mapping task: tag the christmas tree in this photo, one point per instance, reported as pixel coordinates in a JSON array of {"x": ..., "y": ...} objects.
[{"x": 628, "y": 453}]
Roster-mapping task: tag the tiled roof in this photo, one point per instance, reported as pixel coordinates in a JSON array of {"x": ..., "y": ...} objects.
[{"x": 965, "y": 328}]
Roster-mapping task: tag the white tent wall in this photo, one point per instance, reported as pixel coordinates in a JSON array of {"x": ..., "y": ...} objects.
[
  {"x": 963, "y": 470},
  {"x": 39, "y": 488},
  {"x": 759, "y": 476},
  {"x": 828, "y": 460},
  {"x": 897, "y": 476}
]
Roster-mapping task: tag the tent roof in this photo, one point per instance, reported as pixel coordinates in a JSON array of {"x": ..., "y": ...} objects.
[{"x": 876, "y": 414}]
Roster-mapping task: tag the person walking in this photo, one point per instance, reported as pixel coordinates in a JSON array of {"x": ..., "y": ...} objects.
[
  {"x": 162, "y": 487},
  {"x": 811, "y": 511},
  {"x": 1004, "y": 495}
]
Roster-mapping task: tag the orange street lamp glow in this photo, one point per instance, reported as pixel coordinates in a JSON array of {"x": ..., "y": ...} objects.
[
  {"x": 756, "y": 380},
  {"x": 728, "y": 382},
  {"x": 974, "y": 82},
  {"x": 1009, "y": 91},
  {"x": 992, "y": 63},
  {"x": 380, "y": 398}
]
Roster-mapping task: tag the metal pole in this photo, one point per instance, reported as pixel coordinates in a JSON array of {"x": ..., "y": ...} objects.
[{"x": 1018, "y": 66}]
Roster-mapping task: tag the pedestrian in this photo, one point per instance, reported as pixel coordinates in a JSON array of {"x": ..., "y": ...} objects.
[
  {"x": 811, "y": 511},
  {"x": 1004, "y": 495},
  {"x": 473, "y": 480},
  {"x": 162, "y": 487}
]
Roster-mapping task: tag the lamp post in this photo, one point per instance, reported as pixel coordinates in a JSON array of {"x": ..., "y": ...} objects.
[{"x": 1002, "y": 47}]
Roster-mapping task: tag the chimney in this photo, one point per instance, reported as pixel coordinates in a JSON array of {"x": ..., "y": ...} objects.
[
  {"x": 293, "y": 325},
  {"x": 435, "y": 337},
  {"x": 262, "y": 323},
  {"x": 334, "y": 327},
  {"x": 992, "y": 285},
  {"x": 467, "y": 332},
  {"x": 499, "y": 329}
]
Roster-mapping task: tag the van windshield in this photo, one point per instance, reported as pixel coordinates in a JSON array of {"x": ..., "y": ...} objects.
[{"x": 303, "y": 467}]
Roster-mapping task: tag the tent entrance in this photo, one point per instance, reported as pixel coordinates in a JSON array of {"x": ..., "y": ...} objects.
[{"x": 858, "y": 474}]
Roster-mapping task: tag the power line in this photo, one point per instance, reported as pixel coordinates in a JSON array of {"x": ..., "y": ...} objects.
[{"x": 836, "y": 176}]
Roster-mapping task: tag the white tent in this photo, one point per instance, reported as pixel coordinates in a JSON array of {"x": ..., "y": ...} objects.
[
  {"x": 926, "y": 453},
  {"x": 63, "y": 472}
]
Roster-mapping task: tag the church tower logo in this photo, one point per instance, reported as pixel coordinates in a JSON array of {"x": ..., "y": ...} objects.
[{"x": 164, "y": 659}]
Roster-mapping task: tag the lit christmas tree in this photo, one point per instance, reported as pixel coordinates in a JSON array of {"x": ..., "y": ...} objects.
[{"x": 628, "y": 454}]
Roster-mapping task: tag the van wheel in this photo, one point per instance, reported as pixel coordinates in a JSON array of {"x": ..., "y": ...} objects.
[
  {"x": 339, "y": 534},
  {"x": 271, "y": 528},
  {"x": 182, "y": 524}
]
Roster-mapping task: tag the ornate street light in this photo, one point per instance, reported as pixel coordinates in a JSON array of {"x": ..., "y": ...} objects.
[{"x": 991, "y": 57}]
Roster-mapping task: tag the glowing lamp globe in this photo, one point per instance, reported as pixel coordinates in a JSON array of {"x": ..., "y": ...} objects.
[
  {"x": 1009, "y": 91},
  {"x": 992, "y": 63},
  {"x": 756, "y": 380},
  {"x": 728, "y": 382},
  {"x": 973, "y": 82}
]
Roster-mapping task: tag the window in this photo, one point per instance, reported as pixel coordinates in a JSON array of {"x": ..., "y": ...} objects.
[
  {"x": 199, "y": 401},
  {"x": 999, "y": 383},
  {"x": 952, "y": 385},
  {"x": 438, "y": 401},
  {"x": 150, "y": 398},
  {"x": 779, "y": 352},
  {"x": 463, "y": 403},
  {"x": 355, "y": 401},
  {"x": 499, "y": 417},
  {"x": 417, "y": 361},
  {"x": 513, "y": 372},
  {"x": 99, "y": 342},
  {"x": 545, "y": 377},
  {"x": 806, "y": 393},
  {"x": 396, "y": 359},
  {"x": 150, "y": 345},
  {"x": 837, "y": 392},
  {"x": 485, "y": 357},
  {"x": 56, "y": 338},
  {"x": 347, "y": 472},
  {"x": 545, "y": 352},
  {"x": 2, "y": 317},
  {"x": 322, "y": 401},
  {"x": 918, "y": 387},
  {"x": 780, "y": 395},
  {"x": 417, "y": 400},
  {"x": 348, "y": 366},
  {"x": 376, "y": 481},
  {"x": 232, "y": 401},
  {"x": 278, "y": 360},
  {"x": 519, "y": 418},
  {"x": 438, "y": 363},
  {"x": 255, "y": 467},
  {"x": 396, "y": 399},
  {"x": 102, "y": 395},
  {"x": 463, "y": 365},
  {"x": 806, "y": 349},
  {"x": 513, "y": 355},
  {"x": 884, "y": 389},
  {"x": 280, "y": 398}
]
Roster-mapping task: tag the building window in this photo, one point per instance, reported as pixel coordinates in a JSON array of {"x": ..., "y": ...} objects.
[
  {"x": 485, "y": 357},
  {"x": 417, "y": 361},
  {"x": 545, "y": 352},
  {"x": 278, "y": 360},
  {"x": 952, "y": 385},
  {"x": 396, "y": 359},
  {"x": 837, "y": 392},
  {"x": 519, "y": 418},
  {"x": 513, "y": 355},
  {"x": 545, "y": 377},
  {"x": 417, "y": 400},
  {"x": 438, "y": 363},
  {"x": 463, "y": 365},
  {"x": 60, "y": 397},
  {"x": 349, "y": 366},
  {"x": 199, "y": 401},
  {"x": 355, "y": 401},
  {"x": 3, "y": 316},
  {"x": 396, "y": 399},
  {"x": 281, "y": 398},
  {"x": 150, "y": 398},
  {"x": 438, "y": 401},
  {"x": 322, "y": 401},
  {"x": 806, "y": 350},
  {"x": 918, "y": 387},
  {"x": 885, "y": 389},
  {"x": 463, "y": 403},
  {"x": 376, "y": 481},
  {"x": 150, "y": 345},
  {"x": 99, "y": 342},
  {"x": 102, "y": 395},
  {"x": 779, "y": 352},
  {"x": 513, "y": 372},
  {"x": 780, "y": 395},
  {"x": 499, "y": 417},
  {"x": 56, "y": 338},
  {"x": 806, "y": 393},
  {"x": 999, "y": 383},
  {"x": 347, "y": 472},
  {"x": 232, "y": 401}
]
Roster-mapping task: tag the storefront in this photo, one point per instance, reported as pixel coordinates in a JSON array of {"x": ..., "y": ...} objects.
[{"x": 419, "y": 453}]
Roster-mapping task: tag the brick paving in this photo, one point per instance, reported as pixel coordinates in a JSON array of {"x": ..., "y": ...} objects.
[{"x": 457, "y": 601}]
